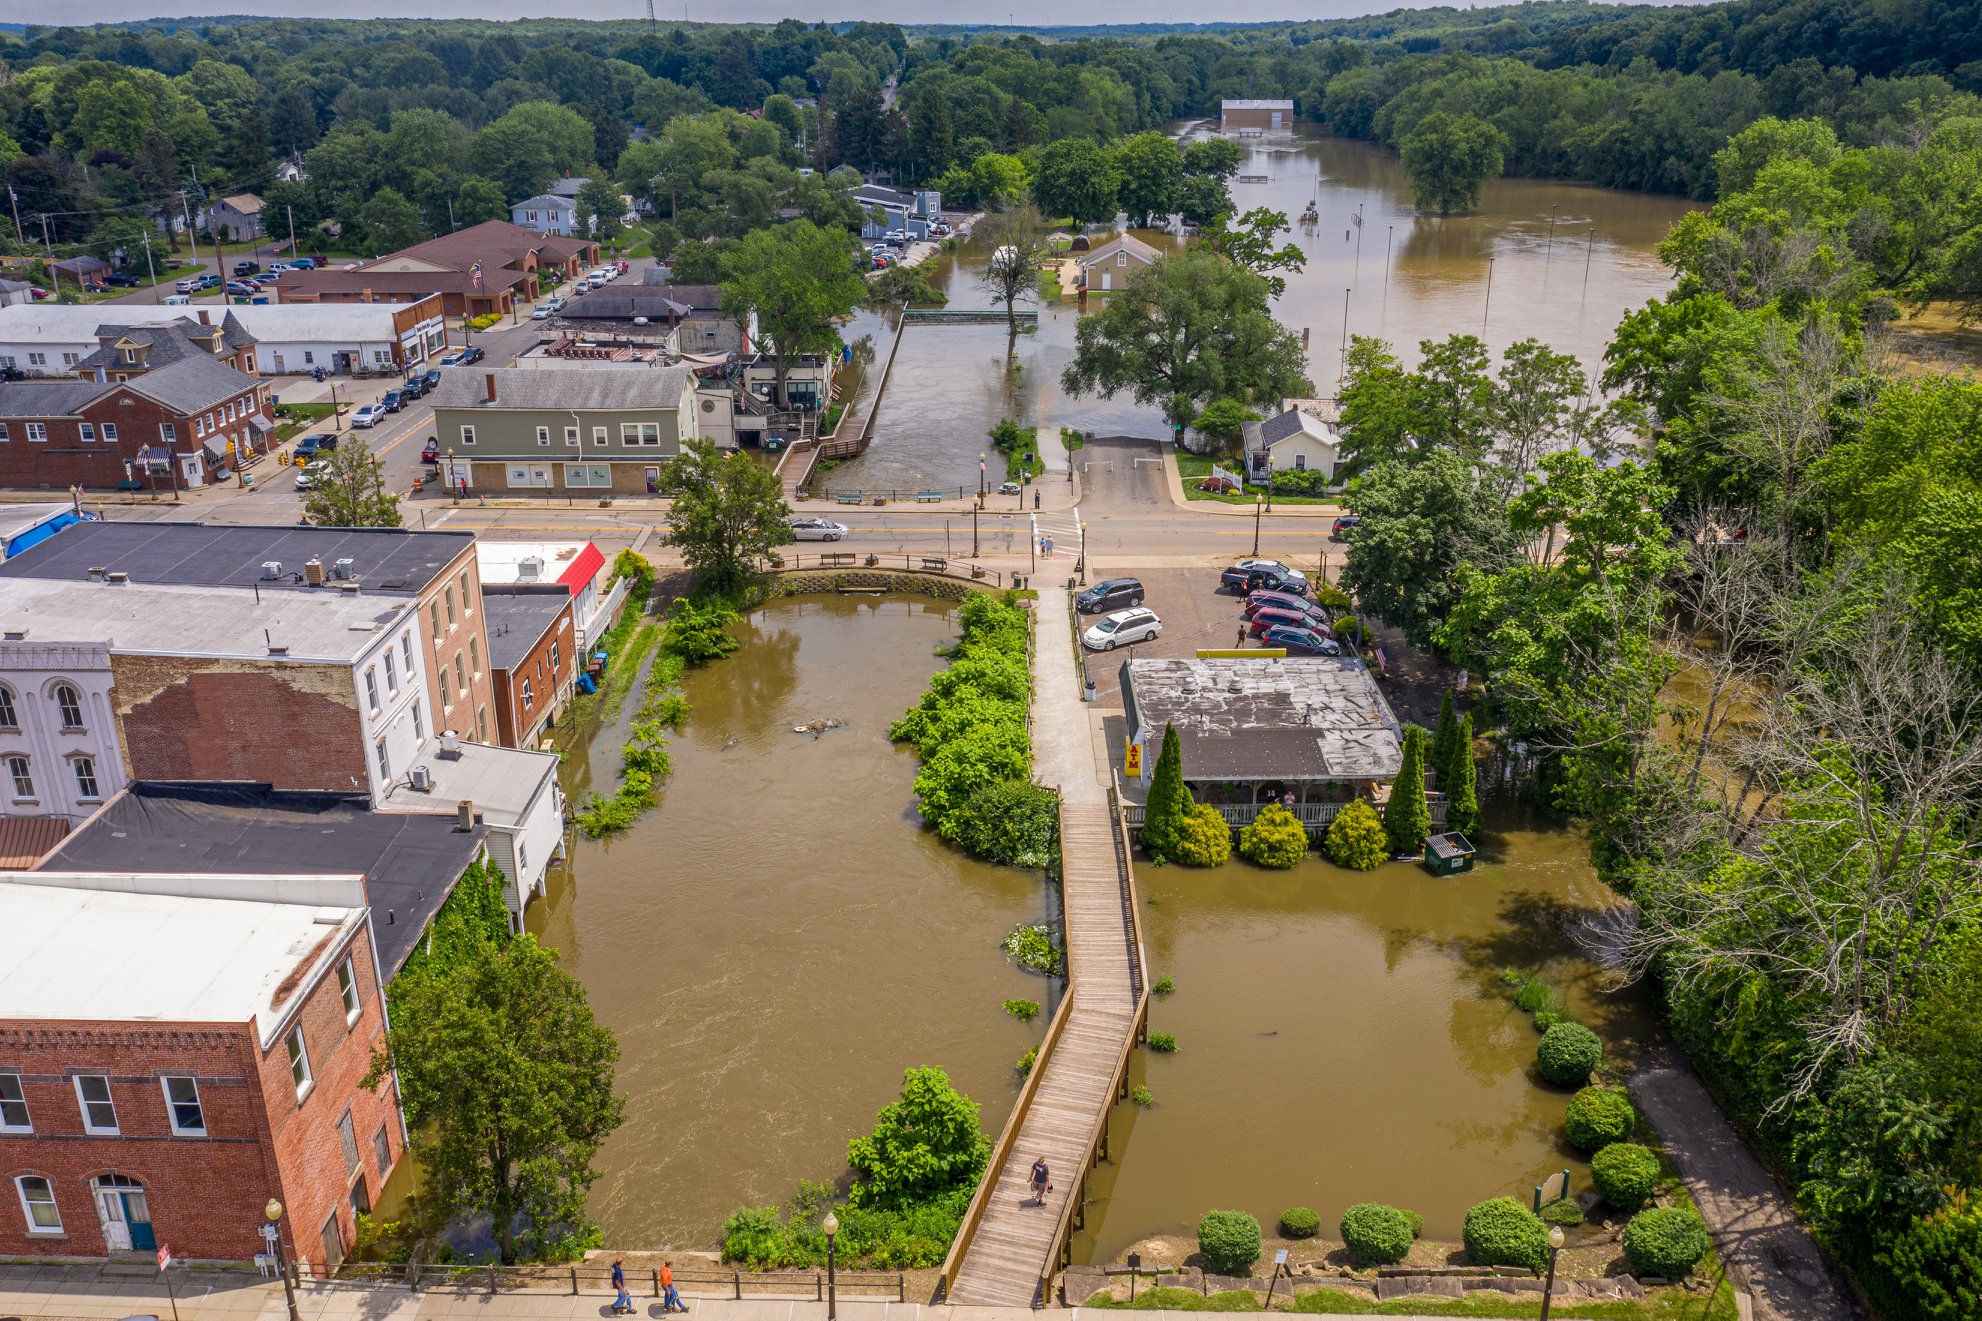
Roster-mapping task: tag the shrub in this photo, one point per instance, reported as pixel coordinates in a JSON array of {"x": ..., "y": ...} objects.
[
  {"x": 1011, "y": 821},
  {"x": 1163, "y": 1043},
  {"x": 752, "y": 1234},
  {"x": 1408, "y": 819},
  {"x": 1204, "y": 839},
  {"x": 1355, "y": 838},
  {"x": 1299, "y": 1222},
  {"x": 1023, "y": 1010},
  {"x": 1666, "y": 1241},
  {"x": 1032, "y": 948},
  {"x": 1502, "y": 1232},
  {"x": 1164, "y": 986},
  {"x": 1377, "y": 1235},
  {"x": 1276, "y": 838},
  {"x": 1625, "y": 1174},
  {"x": 1169, "y": 801},
  {"x": 1348, "y": 628},
  {"x": 1563, "y": 1211},
  {"x": 1535, "y": 995},
  {"x": 1597, "y": 1117},
  {"x": 1228, "y": 1241},
  {"x": 1937, "y": 1262},
  {"x": 1567, "y": 1054},
  {"x": 1329, "y": 596},
  {"x": 1027, "y": 1060},
  {"x": 1142, "y": 1096},
  {"x": 1548, "y": 1018}
]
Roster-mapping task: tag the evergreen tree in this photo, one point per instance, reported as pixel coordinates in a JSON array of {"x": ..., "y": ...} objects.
[
  {"x": 1462, "y": 785},
  {"x": 1442, "y": 740},
  {"x": 1169, "y": 801},
  {"x": 1407, "y": 820}
]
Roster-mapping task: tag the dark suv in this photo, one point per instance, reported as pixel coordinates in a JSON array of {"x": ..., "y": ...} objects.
[
  {"x": 1343, "y": 526},
  {"x": 1109, "y": 594}
]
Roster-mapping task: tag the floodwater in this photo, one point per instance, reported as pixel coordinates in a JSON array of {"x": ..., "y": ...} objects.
[
  {"x": 779, "y": 939},
  {"x": 1403, "y": 277}
]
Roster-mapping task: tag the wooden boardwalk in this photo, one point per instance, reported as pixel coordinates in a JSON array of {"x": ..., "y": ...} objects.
[{"x": 1010, "y": 1245}]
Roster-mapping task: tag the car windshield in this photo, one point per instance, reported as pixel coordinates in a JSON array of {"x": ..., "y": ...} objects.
[{"x": 1109, "y": 625}]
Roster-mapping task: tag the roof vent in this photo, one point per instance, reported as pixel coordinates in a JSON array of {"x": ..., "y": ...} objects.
[
  {"x": 450, "y": 745},
  {"x": 351, "y": 588},
  {"x": 1232, "y": 685},
  {"x": 94, "y": 572},
  {"x": 313, "y": 571},
  {"x": 271, "y": 570},
  {"x": 341, "y": 570},
  {"x": 530, "y": 569},
  {"x": 278, "y": 649},
  {"x": 17, "y": 635},
  {"x": 116, "y": 577}
]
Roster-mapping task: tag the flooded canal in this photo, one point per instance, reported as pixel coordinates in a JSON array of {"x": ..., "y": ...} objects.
[
  {"x": 1413, "y": 278},
  {"x": 779, "y": 939}
]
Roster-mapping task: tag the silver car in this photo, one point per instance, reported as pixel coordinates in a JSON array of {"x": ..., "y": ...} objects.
[
  {"x": 816, "y": 529},
  {"x": 1138, "y": 624}
]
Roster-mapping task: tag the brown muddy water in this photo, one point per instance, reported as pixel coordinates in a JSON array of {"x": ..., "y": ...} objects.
[
  {"x": 778, "y": 939},
  {"x": 1412, "y": 278}
]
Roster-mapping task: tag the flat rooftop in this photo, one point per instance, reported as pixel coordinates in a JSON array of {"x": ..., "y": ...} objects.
[
  {"x": 410, "y": 861},
  {"x": 1306, "y": 717},
  {"x": 501, "y": 782},
  {"x": 167, "y": 958},
  {"x": 517, "y": 621},
  {"x": 216, "y": 555},
  {"x": 323, "y": 626}
]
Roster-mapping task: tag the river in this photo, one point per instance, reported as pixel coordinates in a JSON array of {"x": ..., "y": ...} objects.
[
  {"x": 1412, "y": 278},
  {"x": 778, "y": 939}
]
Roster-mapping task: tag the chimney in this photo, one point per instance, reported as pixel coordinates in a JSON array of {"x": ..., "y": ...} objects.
[
  {"x": 490, "y": 378},
  {"x": 116, "y": 578},
  {"x": 313, "y": 572},
  {"x": 204, "y": 317},
  {"x": 464, "y": 814},
  {"x": 94, "y": 572}
]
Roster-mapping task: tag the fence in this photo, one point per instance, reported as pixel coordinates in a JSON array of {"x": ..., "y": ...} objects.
[
  {"x": 940, "y": 565},
  {"x": 577, "y": 1280},
  {"x": 1315, "y": 816},
  {"x": 932, "y": 493}
]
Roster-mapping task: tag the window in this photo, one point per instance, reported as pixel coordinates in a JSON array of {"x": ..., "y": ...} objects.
[
  {"x": 347, "y": 989},
  {"x": 1121, "y": 259},
  {"x": 299, "y": 1063},
  {"x": 7, "y": 361},
  {"x": 372, "y": 689},
  {"x": 467, "y": 596},
  {"x": 85, "y": 769},
  {"x": 433, "y": 613},
  {"x": 543, "y": 435},
  {"x": 382, "y": 1148},
  {"x": 406, "y": 650},
  {"x": 640, "y": 433},
  {"x": 553, "y": 659},
  {"x": 391, "y": 672},
  {"x": 38, "y": 1201},
  {"x": 309, "y": 358},
  {"x": 474, "y": 653},
  {"x": 482, "y": 723},
  {"x": 9, "y": 718},
  {"x": 528, "y": 699},
  {"x": 70, "y": 702},
  {"x": 37, "y": 432},
  {"x": 460, "y": 674},
  {"x": 598, "y": 435},
  {"x": 347, "y": 1138},
  {"x": 3, "y": 425},
  {"x": 86, "y": 433},
  {"x": 18, "y": 772},
  {"x": 419, "y": 723},
  {"x": 448, "y": 596},
  {"x": 571, "y": 436},
  {"x": 71, "y": 359},
  {"x": 130, "y": 355},
  {"x": 109, "y": 433},
  {"x": 467, "y": 435},
  {"x": 587, "y": 474},
  {"x": 37, "y": 359},
  {"x": 168, "y": 433},
  {"x": 382, "y": 357},
  {"x": 385, "y": 762},
  {"x": 1300, "y": 461},
  {"x": 93, "y": 1095},
  {"x": 446, "y": 700},
  {"x": 182, "y": 1103},
  {"x": 13, "y": 1105}
]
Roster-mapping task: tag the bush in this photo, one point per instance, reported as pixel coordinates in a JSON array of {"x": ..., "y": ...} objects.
[
  {"x": 1027, "y": 1060},
  {"x": 1534, "y": 996},
  {"x": 1937, "y": 1262},
  {"x": 1023, "y": 1010},
  {"x": 1666, "y": 1241},
  {"x": 1625, "y": 1174},
  {"x": 1502, "y": 1232},
  {"x": 1331, "y": 597},
  {"x": 1032, "y": 948},
  {"x": 1377, "y": 1235},
  {"x": 1300, "y": 481},
  {"x": 1204, "y": 839},
  {"x": 1299, "y": 1222},
  {"x": 1228, "y": 1241},
  {"x": 1597, "y": 1117},
  {"x": 1163, "y": 1043},
  {"x": 1563, "y": 1211},
  {"x": 1567, "y": 1054},
  {"x": 1356, "y": 839},
  {"x": 1164, "y": 986},
  {"x": 1548, "y": 1018},
  {"x": 1276, "y": 838},
  {"x": 1009, "y": 821},
  {"x": 1348, "y": 628},
  {"x": 1142, "y": 1096}
]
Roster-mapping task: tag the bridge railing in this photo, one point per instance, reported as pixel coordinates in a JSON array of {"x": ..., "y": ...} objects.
[
  {"x": 940, "y": 566},
  {"x": 702, "y": 1281}
]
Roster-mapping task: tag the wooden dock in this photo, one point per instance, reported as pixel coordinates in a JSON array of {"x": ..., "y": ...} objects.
[{"x": 1009, "y": 1246}]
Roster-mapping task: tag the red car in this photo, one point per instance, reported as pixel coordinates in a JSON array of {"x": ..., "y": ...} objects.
[
  {"x": 1219, "y": 486},
  {"x": 1275, "y": 617},
  {"x": 431, "y": 454},
  {"x": 1283, "y": 601}
]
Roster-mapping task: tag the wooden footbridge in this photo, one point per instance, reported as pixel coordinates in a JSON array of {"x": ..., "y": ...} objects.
[{"x": 1010, "y": 1246}]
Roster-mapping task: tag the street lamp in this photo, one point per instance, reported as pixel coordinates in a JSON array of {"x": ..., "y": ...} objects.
[
  {"x": 1259, "y": 504},
  {"x": 1548, "y": 1288},
  {"x": 980, "y": 477},
  {"x": 452, "y": 488},
  {"x": 272, "y": 1231},
  {"x": 831, "y": 1224}
]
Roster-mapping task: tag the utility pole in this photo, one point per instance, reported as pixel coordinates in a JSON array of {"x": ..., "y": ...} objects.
[
  {"x": 1485, "y": 311},
  {"x": 15, "y": 198},
  {"x": 290, "y": 211},
  {"x": 450, "y": 201},
  {"x": 1342, "y": 364},
  {"x": 150, "y": 271}
]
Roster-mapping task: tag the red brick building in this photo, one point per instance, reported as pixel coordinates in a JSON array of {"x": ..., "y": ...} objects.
[
  {"x": 533, "y": 655},
  {"x": 217, "y": 1064},
  {"x": 478, "y": 270}
]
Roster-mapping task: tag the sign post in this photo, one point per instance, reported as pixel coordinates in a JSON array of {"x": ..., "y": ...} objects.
[{"x": 165, "y": 1269}]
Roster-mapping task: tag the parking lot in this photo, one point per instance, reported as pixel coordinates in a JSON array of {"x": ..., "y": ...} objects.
[{"x": 1194, "y": 612}]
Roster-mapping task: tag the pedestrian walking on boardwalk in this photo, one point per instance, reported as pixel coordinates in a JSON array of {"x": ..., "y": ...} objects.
[{"x": 1042, "y": 1182}]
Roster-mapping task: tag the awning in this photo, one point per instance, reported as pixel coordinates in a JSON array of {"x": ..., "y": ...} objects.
[
  {"x": 216, "y": 451},
  {"x": 261, "y": 426},
  {"x": 583, "y": 568}
]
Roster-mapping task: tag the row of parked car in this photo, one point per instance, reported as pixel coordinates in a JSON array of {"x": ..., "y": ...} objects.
[
  {"x": 1278, "y": 610},
  {"x": 392, "y": 401}
]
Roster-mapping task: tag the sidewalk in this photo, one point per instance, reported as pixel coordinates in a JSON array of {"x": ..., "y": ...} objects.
[{"x": 1062, "y": 733}]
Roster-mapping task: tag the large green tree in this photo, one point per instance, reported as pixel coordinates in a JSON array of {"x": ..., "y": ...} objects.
[
  {"x": 1420, "y": 522},
  {"x": 1406, "y": 820},
  {"x": 1450, "y": 158},
  {"x": 798, "y": 280},
  {"x": 1248, "y": 242},
  {"x": 1076, "y": 179},
  {"x": 728, "y": 512},
  {"x": 350, "y": 491},
  {"x": 1150, "y": 169},
  {"x": 925, "y": 1144}
]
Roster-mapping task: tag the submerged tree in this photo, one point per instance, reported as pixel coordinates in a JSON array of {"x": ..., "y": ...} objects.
[
  {"x": 1169, "y": 800},
  {"x": 1407, "y": 820},
  {"x": 1017, "y": 239},
  {"x": 1450, "y": 158}
]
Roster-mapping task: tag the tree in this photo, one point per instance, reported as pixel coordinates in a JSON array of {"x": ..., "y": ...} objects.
[
  {"x": 507, "y": 1080},
  {"x": 1420, "y": 522},
  {"x": 600, "y": 208},
  {"x": 1169, "y": 800},
  {"x": 798, "y": 279},
  {"x": 1356, "y": 838},
  {"x": 351, "y": 491},
  {"x": 1407, "y": 820},
  {"x": 1449, "y": 158},
  {"x": 1224, "y": 421},
  {"x": 478, "y": 199},
  {"x": 728, "y": 512},
  {"x": 1016, "y": 236},
  {"x": 1150, "y": 168},
  {"x": 1076, "y": 179},
  {"x": 1274, "y": 839},
  {"x": 1249, "y": 243},
  {"x": 511, "y": 152},
  {"x": 1461, "y": 782},
  {"x": 924, "y": 1144},
  {"x": 1443, "y": 736},
  {"x": 391, "y": 221},
  {"x": 900, "y": 286},
  {"x": 1186, "y": 329}
]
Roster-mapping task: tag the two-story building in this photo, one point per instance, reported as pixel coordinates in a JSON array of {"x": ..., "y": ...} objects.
[
  {"x": 546, "y": 213},
  {"x": 52, "y": 339},
  {"x": 587, "y": 429},
  {"x": 237, "y": 218},
  {"x": 577, "y": 566},
  {"x": 533, "y": 646},
  {"x": 176, "y": 1051},
  {"x": 59, "y": 746},
  {"x": 909, "y": 210}
]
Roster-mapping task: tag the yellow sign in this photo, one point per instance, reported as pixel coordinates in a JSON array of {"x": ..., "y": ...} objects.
[
  {"x": 1132, "y": 761},
  {"x": 1241, "y": 653}
]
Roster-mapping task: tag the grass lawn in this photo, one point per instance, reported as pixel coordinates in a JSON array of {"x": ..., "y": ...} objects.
[
  {"x": 1193, "y": 467},
  {"x": 1660, "y": 1305}
]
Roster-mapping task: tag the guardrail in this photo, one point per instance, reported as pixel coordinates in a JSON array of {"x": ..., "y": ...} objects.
[{"x": 576, "y": 1280}]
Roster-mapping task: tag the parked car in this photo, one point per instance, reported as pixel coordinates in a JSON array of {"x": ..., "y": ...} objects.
[
  {"x": 187, "y": 285},
  {"x": 1303, "y": 641},
  {"x": 414, "y": 387},
  {"x": 96, "y": 287},
  {"x": 310, "y": 446},
  {"x": 393, "y": 400},
  {"x": 1282, "y": 601},
  {"x": 542, "y": 312},
  {"x": 1122, "y": 628},
  {"x": 38, "y": 293},
  {"x": 816, "y": 529},
  {"x": 207, "y": 281},
  {"x": 881, "y": 263},
  {"x": 1251, "y": 575},
  {"x": 312, "y": 473},
  {"x": 123, "y": 281},
  {"x": 247, "y": 267},
  {"x": 1343, "y": 526},
  {"x": 370, "y": 415},
  {"x": 1279, "y": 617},
  {"x": 1109, "y": 594},
  {"x": 896, "y": 236},
  {"x": 462, "y": 357},
  {"x": 432, "y": 378},
  {"x": 243, "y": 287},
  {"x": 1009, "y": 488}
]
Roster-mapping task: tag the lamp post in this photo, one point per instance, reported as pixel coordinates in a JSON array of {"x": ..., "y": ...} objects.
[
  {"x": 1259, "y": 504},
  {"x": 452, "y": 489},
  {"x": 975, "y": 510},
  {"x": 1548, "y": 1287},
  {"x": 831, "y": 1224},
  {"x": 980, "y": 477},
  {"x": 272, "y": 1231}
]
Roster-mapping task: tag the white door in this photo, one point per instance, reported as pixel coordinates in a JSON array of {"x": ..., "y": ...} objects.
[
  {"x": 116, "y": 1229},
  {"x": 1107, "y": 281},
  {"x": 278, "y": 364}
]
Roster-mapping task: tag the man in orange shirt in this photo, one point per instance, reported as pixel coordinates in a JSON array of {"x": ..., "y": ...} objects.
[{"x": 671, "y": 1301}]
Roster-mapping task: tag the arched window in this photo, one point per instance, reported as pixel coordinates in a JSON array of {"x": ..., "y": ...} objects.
[
  {"x": 9, "y": 719},
  {"x": 71, "y": 703}
]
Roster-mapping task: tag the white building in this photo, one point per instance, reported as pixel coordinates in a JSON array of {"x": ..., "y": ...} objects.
[
  {"x": 578, "y": 565},
  {"x": 340, "y": 337},
  {"x": 59, "y": 750},
  {"x": 1302, "y": 438},
  {"x": 515, "y": 794}
]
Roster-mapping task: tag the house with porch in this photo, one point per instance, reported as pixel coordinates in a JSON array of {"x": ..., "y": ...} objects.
[
  {"x": 1108, "y": 266},
  {"x": 1310, "y": 733},
  {"x": 1296, "y": 440}
]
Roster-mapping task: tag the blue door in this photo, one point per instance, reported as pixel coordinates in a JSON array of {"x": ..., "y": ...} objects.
[{"x": 138, "y": 1216}]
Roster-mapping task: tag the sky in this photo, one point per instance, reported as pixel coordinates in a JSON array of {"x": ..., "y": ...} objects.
[{"x": 1030, "y": 12}]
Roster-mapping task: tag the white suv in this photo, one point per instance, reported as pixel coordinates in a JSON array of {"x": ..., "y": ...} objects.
[{"x": 1138, "y": 624}]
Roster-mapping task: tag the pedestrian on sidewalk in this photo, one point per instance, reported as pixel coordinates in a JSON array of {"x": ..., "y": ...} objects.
[
  {"x": 1242, "y": 636},
  {"x": 671, "y": 1301},
  {"x": 618, "y": 1274},
  {"x": 1035, "y": 497},
  {"x": 1042, "y": 1182}
]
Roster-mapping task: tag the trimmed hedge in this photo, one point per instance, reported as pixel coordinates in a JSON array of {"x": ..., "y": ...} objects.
[
  {"x": 1597, "y": 1117},
  {"x": 1229, "y": 1242},
  {"x": 1568, "y": 1054},
  {"x": 1502, "y": 1232},
  {"x": 1355, "y": 838},
  {"x": 1625, "y": 1174},
  {"x": 1299, "y": 1222},
  {"x": 1276, "y": 838},
  {"x": 1666, "y": 1241},
  {"x": 1204, "y": 839},
  {"x": 1377, "y": 1235}
]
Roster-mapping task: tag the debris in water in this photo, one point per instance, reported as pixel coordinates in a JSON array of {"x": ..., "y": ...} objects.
[{"x": 817, "y": 727}]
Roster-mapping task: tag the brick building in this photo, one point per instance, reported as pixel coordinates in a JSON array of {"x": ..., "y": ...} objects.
[
  {"x": 478, "y": 270},
  {"x": 219, "y": 1066},
  {"x": 533, "y": 651}
]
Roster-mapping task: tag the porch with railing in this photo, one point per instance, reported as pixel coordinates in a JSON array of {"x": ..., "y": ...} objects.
[{"x": 1315, "y": 816}]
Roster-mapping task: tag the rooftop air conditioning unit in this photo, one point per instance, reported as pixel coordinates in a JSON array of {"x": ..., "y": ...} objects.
[
  {"x": 450, "y": 745},
  {"x": 530, "y": 569},
  {"x": 341, "y": 570},
  {"x": 271, "y": 570},
  {"x": 421, "y": 778}
]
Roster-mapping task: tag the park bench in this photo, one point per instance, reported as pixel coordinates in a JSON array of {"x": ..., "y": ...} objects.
[
  {"x": 928, "y": 497},
  {"x": 849, "y": 497},
  {"x": 837, "y": 559},
  {"x": 935, "y": 563}
]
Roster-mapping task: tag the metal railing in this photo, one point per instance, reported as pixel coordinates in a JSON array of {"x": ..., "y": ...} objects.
[
  {"x": 940, "y": 566},
  {"x": 575, "y": 1280},
  {"x": 909, "y": 495}
]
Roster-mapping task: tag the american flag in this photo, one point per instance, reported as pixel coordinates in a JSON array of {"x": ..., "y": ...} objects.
[{"x": 475, "y": 275}]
